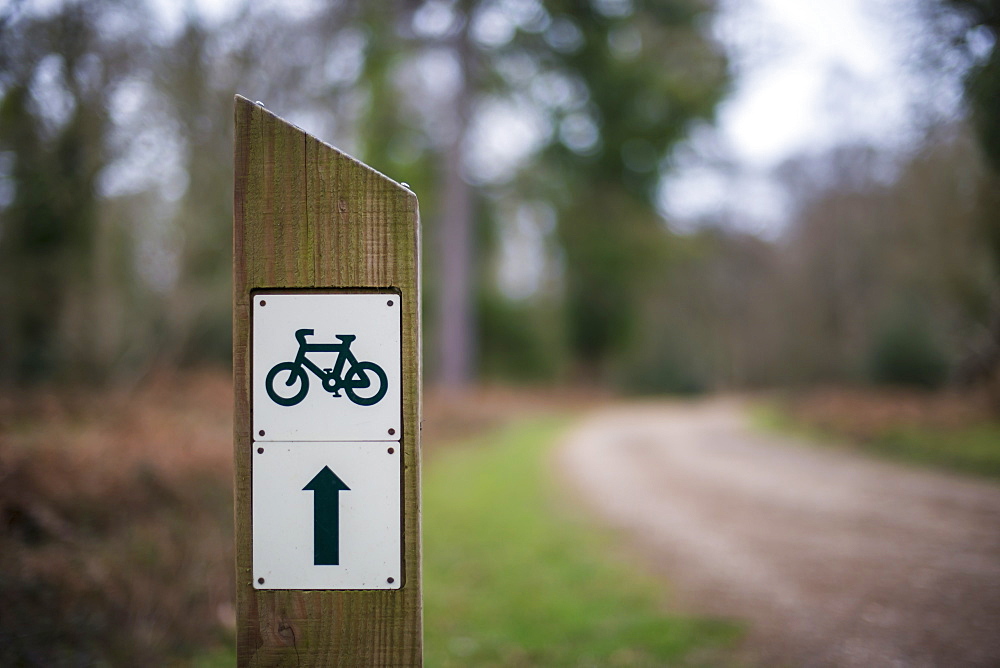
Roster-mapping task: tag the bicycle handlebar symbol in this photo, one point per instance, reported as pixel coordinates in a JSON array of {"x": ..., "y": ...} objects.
[{"x": 364, "y": 383}]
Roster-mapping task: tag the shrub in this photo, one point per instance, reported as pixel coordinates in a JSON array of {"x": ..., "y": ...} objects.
[{"x": 906, "y": 352}]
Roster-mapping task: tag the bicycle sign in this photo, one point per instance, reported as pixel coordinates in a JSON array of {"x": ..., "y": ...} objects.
[
  {"x": 287, "y": 382},
  {"x": 326, "y": 367}
]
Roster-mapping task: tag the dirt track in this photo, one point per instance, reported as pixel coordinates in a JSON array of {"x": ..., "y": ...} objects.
[{"x": 831, "y": 559}]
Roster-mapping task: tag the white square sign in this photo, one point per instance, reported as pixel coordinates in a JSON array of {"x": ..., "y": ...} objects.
[
  {"x": 327, "y": 516},
  {"x": 327, "y": 367}
]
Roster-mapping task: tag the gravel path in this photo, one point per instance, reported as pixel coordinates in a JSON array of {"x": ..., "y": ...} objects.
[{"x": 832, "y": 559}]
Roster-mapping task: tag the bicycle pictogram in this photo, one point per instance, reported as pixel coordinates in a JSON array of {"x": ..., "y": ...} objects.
[{"x": 364, "y": 383}]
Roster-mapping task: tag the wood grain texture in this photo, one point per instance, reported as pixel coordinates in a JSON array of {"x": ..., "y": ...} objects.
[{"x": 309, "y": 217}]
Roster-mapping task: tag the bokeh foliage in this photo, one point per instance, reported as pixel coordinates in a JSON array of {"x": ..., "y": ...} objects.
[
  {"x": 536, "y": 135},
  {"x": 121, "y": 202}
]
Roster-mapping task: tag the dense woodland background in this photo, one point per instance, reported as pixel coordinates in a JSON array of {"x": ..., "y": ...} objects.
[{"x": 546, "y": 259}]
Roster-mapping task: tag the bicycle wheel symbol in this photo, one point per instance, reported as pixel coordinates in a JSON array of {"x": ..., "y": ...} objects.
[
  {"x": 370, "y": 379},
  {"x": 287, "y": 383}
]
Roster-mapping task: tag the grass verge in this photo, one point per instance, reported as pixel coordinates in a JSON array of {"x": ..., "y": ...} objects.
[
  {"x": 510, "y": 580},
  {"x": 972, "y": 448}
]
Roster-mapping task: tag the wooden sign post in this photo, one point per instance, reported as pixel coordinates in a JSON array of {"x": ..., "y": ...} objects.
[{"x": 326, "y": 368}]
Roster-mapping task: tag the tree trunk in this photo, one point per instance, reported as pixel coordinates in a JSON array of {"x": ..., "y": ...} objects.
[{"x": 456, "y": 328}]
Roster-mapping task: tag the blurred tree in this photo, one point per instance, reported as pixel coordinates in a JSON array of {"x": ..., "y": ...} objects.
[
  {"x": 976, "y": 33},
  {"x": 627, "y": 81},
  {"x": 605, "y": 90},
  {"x": 970, "y": 29},
  {"x": 59, "y": 68},
  {"x": 870, "y": 253}
]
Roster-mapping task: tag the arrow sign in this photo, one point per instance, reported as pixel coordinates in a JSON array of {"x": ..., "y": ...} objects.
[
  {"x": 311, "y": 536},
  {"x": 326, "y": 487}
]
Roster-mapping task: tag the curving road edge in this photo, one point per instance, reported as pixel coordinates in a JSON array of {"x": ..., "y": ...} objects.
[{"x": 831, "y": 558}]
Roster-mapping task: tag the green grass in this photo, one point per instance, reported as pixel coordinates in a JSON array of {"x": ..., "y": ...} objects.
[
  {"x": 770, "y": 416},
  {"x": 973, "y": 448},
  {"x": 223, "y": 657},
  {"x": 513, "y": 578}
]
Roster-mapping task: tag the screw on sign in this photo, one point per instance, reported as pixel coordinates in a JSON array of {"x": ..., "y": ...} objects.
[{"x": 364, "y": 382}]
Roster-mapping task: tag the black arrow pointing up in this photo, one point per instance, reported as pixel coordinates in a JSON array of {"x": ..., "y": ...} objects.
[{"x": 326, "y": 516}]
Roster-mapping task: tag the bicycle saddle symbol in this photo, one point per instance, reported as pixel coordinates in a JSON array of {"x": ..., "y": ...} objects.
[{"x": 364, "y": 383}]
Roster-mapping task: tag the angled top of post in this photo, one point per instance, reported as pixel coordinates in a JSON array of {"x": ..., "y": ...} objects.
[
  {"x": 242, "y": 101},
  {"x": 310, "y": 215}
]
